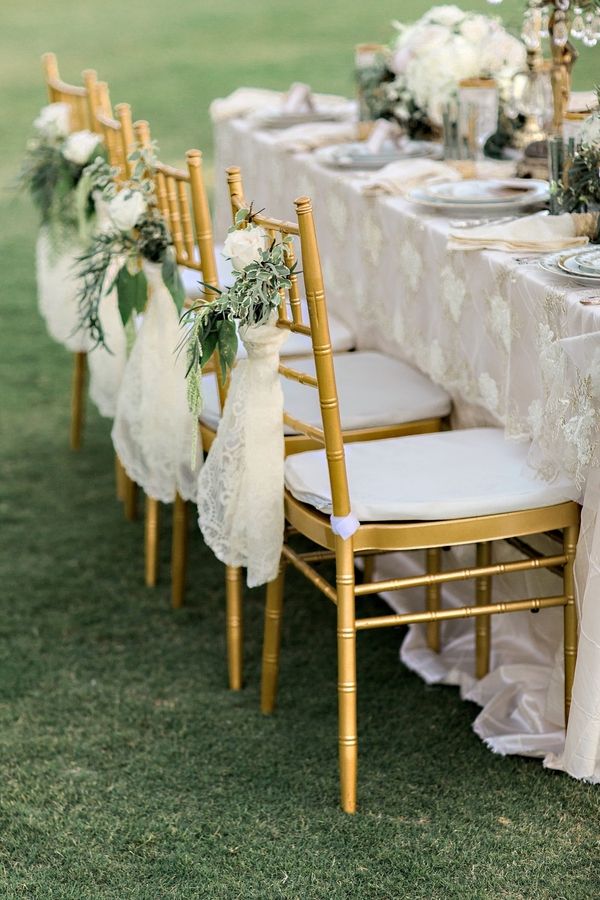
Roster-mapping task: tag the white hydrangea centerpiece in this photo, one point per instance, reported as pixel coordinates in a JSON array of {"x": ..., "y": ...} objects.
[
  {"x": 53, "y": 121},
  {"x": 430, "y": 57}
]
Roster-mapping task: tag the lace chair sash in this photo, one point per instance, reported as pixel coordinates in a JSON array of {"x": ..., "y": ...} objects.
[
  {"x": 240, "y": 488},
  {"x": 154, "y": 431}
]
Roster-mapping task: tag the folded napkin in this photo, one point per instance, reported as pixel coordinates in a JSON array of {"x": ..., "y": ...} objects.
[
  {"x": 402, "y": 176},
  {"x": 298, "y": 99},
  {"x": 300, "y": 138},
  {"x": 247, "y": 101},
  {"x": 537, "y": 233},
  {"x": 241, "y": 102}
]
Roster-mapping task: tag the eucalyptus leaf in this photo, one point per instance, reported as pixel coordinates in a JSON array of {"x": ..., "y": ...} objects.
[
  {"x": 228, "y": 345},
  {"x": 132, "y": 292},
  {"x": 172, "y": 280}
]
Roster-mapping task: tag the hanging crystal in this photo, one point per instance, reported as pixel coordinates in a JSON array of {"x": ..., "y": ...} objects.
[
  {"x": 562, "y": 5},
  {"x": 589, "y": 36},
  {"x": 545, "y": 22},
  {"x": 560, "y": 32},
  {"x": 577, "y": 25}
]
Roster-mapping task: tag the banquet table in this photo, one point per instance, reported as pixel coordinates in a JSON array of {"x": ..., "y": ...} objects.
[{"x": 515, "y": 348}]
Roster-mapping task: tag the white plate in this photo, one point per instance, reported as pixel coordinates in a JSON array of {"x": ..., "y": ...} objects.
[
  {"x": 551, "y": 265},
  {"x": 355, "y": 155},
  {"x": 572, "y": 266},
  {"x": 488, "y": 192},
  {"x": 418, "y": 195},
  {"x": 273, "y": 118},
  {"x": 589, "y": 262}
]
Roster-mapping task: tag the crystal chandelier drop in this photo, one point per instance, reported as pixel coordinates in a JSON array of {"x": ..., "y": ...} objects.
[{"x": 561, "y": 20}]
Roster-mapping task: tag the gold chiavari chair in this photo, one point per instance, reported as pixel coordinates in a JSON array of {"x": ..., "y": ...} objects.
[
  {"x": 386, "y": 398},
  {"x": 420, "y": 492},
  {"x": 182, "y": 199},
  {"x": 81, "y": 102},
  {"x": 119, "y": 139}
]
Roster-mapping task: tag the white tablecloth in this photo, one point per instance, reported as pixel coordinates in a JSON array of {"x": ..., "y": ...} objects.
[{"x": 503, "y": 338}]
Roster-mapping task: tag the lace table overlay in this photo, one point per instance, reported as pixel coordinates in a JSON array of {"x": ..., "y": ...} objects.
[{"x": 514, "y": 348}]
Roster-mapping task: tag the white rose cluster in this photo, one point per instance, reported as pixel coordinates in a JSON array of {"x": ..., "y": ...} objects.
[
  {"x": 126, "y": 209},
  {"x": 53, "y": 121},
  {"x": 244, "y": 246},
  {"x": 80, "y": 146},
  {"x": 590, "y": 130},
  {"x": 445, "y": 46}
]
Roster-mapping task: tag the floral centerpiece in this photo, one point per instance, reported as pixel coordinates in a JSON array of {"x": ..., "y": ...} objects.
[
  {"x": 134, "y": 233},
  {"x": 423, "y": 66},
  {"x": 261, "y": 272},
  {"x": 430, "y": 57},
  {"x": 52, "y": 171},
  {"x": 579, "y": 188}
]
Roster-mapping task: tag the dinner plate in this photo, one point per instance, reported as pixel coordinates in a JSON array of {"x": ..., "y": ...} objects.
[
  {"x": 355, "y": 155},
  {"x": 588, "y": 262},
  {"x": 572, "y": 265},
  {"x": 551, "y": 264},
  {"x": 465, "y": 210},
  {"x": 274, "y": 118},
  {"x": 488, "y": 192}
]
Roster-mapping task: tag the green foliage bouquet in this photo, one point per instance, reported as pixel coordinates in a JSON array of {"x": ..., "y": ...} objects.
[
  {"x": 134, "y": 232},
  {"x": 52, "y": 172},
  {"x": 261, "y": 273}
]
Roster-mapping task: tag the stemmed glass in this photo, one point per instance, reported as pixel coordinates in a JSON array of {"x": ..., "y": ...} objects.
[{"x": 478, "y": 98}]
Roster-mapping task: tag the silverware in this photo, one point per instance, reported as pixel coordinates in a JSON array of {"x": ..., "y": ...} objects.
[{"x": 473, "y": 223}]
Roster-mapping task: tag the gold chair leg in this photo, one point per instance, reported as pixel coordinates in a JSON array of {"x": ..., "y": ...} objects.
[
  {"x": 483, "y": 596},
  {"x": 129, "y": 498},
  {"x": 570, "y": 614},
  {"x": 151, "y": 521},
  {"x": 346, "y": 641},
  {"x": 119, "y": 479},
  {"x": 271, "y": 642},
  {"x": 77, "y": 398},
  {"x": 433, "y": 559},
  {"x": 234, "y": 614},
  {"x": 368, "y": 568},
  {"x": 178, "y": 552}
]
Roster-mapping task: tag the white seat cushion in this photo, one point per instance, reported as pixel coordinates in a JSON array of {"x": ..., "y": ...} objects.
[
  {"x": 374, "y": 390},
  {"x": 426, "y": 477}
]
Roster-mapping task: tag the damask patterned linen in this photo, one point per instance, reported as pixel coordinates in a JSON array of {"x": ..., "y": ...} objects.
[{"x": 514, "y": 347}]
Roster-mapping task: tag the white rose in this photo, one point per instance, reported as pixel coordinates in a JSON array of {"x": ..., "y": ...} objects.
[
  {"x": 475, "y": 28},
  {"x": 445, "y": 15},
  {"x": 244, "y": 246},
  {"x": 126, "y": 208},
  {"x": 79, "y": 146},
  {"x": 590, "y": 130},
  {"x": 54, "y": 120}
]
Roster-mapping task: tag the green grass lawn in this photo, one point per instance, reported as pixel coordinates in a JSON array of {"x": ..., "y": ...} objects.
[{"x": 127, "y": 768}]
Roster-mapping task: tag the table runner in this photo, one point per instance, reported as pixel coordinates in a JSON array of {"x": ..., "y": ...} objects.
[{"x": 501, "y": 336}]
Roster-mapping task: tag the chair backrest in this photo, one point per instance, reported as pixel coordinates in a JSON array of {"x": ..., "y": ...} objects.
[
  {"x": 317, "y": 328},
  {"x": 118, "y": 132},
  {"x": 81, "y": 99},
  {"x": 182, "y": 199}
]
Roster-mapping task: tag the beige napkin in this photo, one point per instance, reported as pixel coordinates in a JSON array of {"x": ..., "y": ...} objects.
[
  {"x": 401, "y": 177},
  {"x": 241, "y": 102},
  {"x": 537, "y": 233},
  {"x": 301, "y": 138}
]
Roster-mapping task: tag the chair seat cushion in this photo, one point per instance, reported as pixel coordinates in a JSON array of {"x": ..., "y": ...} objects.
[
  {"x": 374, "y": 391},
  {"x": 428, "y": 477}
]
